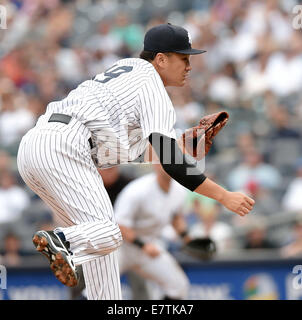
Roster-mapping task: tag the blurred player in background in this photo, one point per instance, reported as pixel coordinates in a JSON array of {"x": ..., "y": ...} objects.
[{"x": 143, "y": 208}]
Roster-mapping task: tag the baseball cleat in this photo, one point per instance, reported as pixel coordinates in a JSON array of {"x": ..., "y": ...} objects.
[{"x": 56, "y": 251}]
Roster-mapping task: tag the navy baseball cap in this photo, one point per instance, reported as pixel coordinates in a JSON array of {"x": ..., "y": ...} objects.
[{"x": 169, "y": 38}]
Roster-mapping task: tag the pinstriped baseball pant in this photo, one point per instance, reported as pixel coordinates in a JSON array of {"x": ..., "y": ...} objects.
[{"x": 54, "y": 161}]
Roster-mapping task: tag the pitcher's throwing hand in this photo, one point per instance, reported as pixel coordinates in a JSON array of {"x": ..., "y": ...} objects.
[{"x": 238, "y": 202}]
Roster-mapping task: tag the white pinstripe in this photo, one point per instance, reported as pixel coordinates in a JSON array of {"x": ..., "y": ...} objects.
[
  {"x": 106, "y": 286},
  {"x": 56, "y": 162}
]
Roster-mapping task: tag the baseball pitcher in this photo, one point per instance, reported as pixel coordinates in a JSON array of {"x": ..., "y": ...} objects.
[{"x": 105, "y": 121}]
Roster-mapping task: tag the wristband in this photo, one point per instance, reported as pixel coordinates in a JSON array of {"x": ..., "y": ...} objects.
[{"x": 138, "y": 242}]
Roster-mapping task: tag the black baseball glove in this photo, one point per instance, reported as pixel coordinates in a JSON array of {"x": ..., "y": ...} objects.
[{"x": 201, "y": 248}]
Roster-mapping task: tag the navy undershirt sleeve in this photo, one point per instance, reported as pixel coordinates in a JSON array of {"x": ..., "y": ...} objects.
[{"x": 175, "y": 163}]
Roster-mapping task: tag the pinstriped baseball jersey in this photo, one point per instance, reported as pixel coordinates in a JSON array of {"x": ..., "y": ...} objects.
[
  {"x": 118, "y": 109},
  {"x": 121, "y": 108}
]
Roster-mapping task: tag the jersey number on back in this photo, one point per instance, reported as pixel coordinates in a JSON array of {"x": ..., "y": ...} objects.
[{"x": 114, "y": 72}]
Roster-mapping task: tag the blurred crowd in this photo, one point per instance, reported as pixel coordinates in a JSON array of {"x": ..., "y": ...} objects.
[{"x": 252, "y": 69}]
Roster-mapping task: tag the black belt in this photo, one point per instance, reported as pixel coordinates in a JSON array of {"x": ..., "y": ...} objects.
[{"x": 64, "y": 118}]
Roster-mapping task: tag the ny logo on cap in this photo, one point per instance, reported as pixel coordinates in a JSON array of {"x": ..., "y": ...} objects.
[{"x": 189, "y": 37}]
